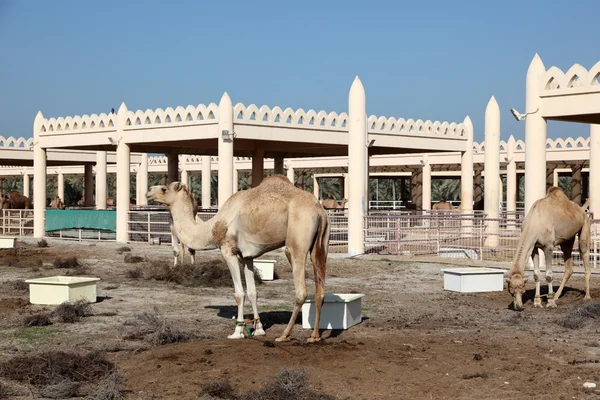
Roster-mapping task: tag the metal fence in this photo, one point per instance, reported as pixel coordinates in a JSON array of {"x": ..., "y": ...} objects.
[{"x": 17, "y": 222}]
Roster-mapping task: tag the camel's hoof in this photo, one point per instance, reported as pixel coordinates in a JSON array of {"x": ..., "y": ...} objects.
[
  {"x": 236, "y": 335},
  {"x": 259, "y": 332},
  {"x": 283, "y": 339},
  {"x": 587, "y": 298},
  {"x": 537, "y": 303},
  {"x": 313, "y": 339},
  {"x": 551, "y": 303}
]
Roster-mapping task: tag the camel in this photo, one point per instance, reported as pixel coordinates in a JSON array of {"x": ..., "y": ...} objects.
[
  {"x": 443, "y": 205},
  {"x": 553, "y": 220},
  {"x": 16, "y": 201},
  {"x": 179, "y": 248},
  {"x": 57, "y": 204},
  {"x": 249, "y": 224},
  {"x": 332, "y": 204}
]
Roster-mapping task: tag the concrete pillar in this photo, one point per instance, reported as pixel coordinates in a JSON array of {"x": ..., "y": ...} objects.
[
  {"x": 206, "y": 181},
  {"x": 123, "y": 177},
  {"x": 101, "y": 180},
  {"x": 416, "y": 188},
  {"x": 477, "y": 186},
  {"x": 344, "y": 186},
  {"x": 225, "y": 149},
  {"x": 61, "y": 185},
  {"x": 278, "y": 165},
  {"x": 511, "y": 181},
  {"x": 549, "y": 176},
  {"x": 555, "y": 178},
  {"x": 39, "y": 180},
  {"x": 535, "y": 136},
  {"x": 426, "y": 183},
  {"x": 258, "y": 167},
  {"x": 357, "y": 167},
  {"x": 172, "y": 168},
  {"x": 143, "y": 181},
  {"x": 466, "y": 173},
  {"x": 88, "y": 185},
  {"x": 500, "y": 190},
  {"x": 316, "y": 188},
  {"x": 185, "y": 178},
  {"x": 290, "y": 174},
  {"x": 236, "y": 180},
  {"x": 576, "y": 183},
  {"x": 25, "y": 184},
  {"x": 594, "y": 178},
  {"x": 492, "y": 171}
]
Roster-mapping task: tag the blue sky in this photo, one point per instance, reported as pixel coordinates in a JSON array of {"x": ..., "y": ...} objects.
[{"x": 438, "y": 60}]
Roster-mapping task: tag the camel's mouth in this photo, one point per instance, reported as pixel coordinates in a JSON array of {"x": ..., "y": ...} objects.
[{"x": 151, "y": 195}]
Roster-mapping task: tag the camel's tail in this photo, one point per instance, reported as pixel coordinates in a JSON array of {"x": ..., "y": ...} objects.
[
  {"x": 584, "y": 235},
  {"x": 320, "y": 249}
]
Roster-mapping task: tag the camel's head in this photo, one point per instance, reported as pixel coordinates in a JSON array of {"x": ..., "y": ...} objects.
[
  {"x": 516, "y": 287},
  {"x": 168, "y": 194}
]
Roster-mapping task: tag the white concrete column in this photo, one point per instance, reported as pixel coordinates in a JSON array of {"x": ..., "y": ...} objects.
[
  {"x": 236, "y": 180},
  {"x": 123, "y": 177},
  {"x": 225, "y": 149},
  {"x": 185, "y": 178},
  {"x": 594, "y": 179},
  {"x": 172, "y": 167},
  {"x": 25, "y": 184},
  {"x": 466, "y": 175},
  {"x": 555, "y": 178},
  {"x": 258, "y": 167},
  {"x": 346, "y": 192},
  {"x": 39, "y": 180},
  {"x": 511, "y": 181},
  {"x": 88, "y": 185},
  {"x": 492, "y": 171},
  {"x": 290, "y": 174},
  {"x": 143, "y": 181},
  {"x": 316, "y": 188},
  {"x": 61, "y": 185},
  {"x": 535, "y": 136},
  {"x": 426, "y": 183},
  {"x": 278, "y": 165},
  {"x": 500, "y": 189},
  {"x": 358, "y": 200},
  {"x": 101, "y": 180},
  {"x": 206, "y": 181}
]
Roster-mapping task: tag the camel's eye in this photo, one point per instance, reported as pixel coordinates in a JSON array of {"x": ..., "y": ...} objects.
[{"x": 164, "y": 190}]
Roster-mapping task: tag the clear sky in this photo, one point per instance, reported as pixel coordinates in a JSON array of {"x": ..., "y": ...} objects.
[{"x": 438, "y": 60}]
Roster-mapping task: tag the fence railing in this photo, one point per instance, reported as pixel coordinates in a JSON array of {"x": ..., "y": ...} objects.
[{"x": 17, "y": 222}]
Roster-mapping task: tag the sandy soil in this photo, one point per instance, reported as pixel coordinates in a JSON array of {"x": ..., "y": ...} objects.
[{"x": 416, "y": 340}]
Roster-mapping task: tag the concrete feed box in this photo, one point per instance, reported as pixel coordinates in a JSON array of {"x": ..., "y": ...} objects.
[
  {"x": 473, "y": 280},
  {"x": 265, "y": 269},
  {"x": 58, "y": 289},
  {"x": 339, "y": 311}
]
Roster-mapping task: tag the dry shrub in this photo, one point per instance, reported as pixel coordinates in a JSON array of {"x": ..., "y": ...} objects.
[
  {"x": 72, "y": 312},
  {"x": 287, "y": 385},
  {"x": 212, "y": 273},
  {"x": 69, "y": 262},
  {"x": 17, "y": 285},
  {"x": 60, "y": 390},
  {"x": 78, "y": 271},
  {"x": 580, "y": 316},
  {"x": 31, "y": 263},
  {"x": 156, "y": 330},
  {"x": 218, "y": 390},
  {"x": 37, "y": 320},
  {"x": 56, "y": 367},
  {"x": 122, "y": 250},
  {"x": 109, "y": 388},
  {"x": 129, "y": 259},
  {"x": 483, "y": 375},
  {"x": 42, "y": 243},
  {"x": 134, "y": 273},
  {"x": 7, "y": 392}
]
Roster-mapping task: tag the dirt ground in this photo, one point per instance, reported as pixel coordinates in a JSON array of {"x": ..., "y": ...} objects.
[{"x": 416, "y": 340}]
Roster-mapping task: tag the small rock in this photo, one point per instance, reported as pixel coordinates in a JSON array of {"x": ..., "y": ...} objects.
[{"x": 589, "y": 385}]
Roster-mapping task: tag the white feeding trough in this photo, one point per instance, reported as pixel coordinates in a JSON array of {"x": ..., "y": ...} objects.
[
  {"x": 265, "y": 268},
  {"x": 471, "y": 280},
  {"x": 7, "y": 242},
  {"x": 58, "y": 289},
  {"x": 339, "y": 311}
]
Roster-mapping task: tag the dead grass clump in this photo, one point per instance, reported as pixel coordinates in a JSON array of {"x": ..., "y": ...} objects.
[
  {"x": 287, "y": 385},
  {"x": 580, "y": 316},
  {"x": 56, "y": 367},
  {"x": 37, "y": 320},
  {"x": 483, "y": 375},
  {"x": 109, "y": 388},
  {"x": 122, "y": 250},
  {"x": 17, "y": 262},
  {"x": 78, "y": 271},
  {"x": 69, "y": 262},
  {"x": 72, "y": 312},
  {"x": 134, "y": 273},
  {"x": 156, "y": 330},
  {"x": 218, "y": 390},
  {"x": 17, "y": 285},
  {"x": 212, "y": 273},
  {"x": 129, "y": 259},
  {"x": 42, "y": 243},
  {"x": 60, "y": 390}
]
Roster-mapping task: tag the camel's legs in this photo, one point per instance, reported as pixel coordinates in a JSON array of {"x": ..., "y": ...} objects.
[
  {"x": 192, "y": 255},
  {"x": 319, "y": 296},
  {"x": 182, "y": 253},
  {"x": 549, "y": 275},
  {"x": 535, "y": 256},
  {"x": 297, "y": 258},
  {"x": 567, "y": 249},
  {"x": 233, "y": 262},
  {"x": 251, "y": 292},
  {"x": 584, "y": 251},
  {"x": 174, "y": 241}
]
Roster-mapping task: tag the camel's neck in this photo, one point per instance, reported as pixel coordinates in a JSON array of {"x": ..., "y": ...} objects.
[
  {"x": 523, "y": 252},
  {"x": 194, "y": 234}
]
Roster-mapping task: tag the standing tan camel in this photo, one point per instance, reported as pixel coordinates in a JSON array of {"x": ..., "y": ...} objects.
[
  {"x": 332, "y": 204},
  {"x": 179, "y": 247},
  {"x": 57, "y": 204},
  {"x": 443, "y": 205},
  {"x": 251, "y": 223},
  {"x": 553, "y": 220}
]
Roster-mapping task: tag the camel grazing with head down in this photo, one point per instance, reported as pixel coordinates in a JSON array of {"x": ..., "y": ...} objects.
[
  {"x": 16, "y": 201},
  {"x": 251, "y": 223},
  {"x": 332, "y": 204},
  {"x": 553, "y": 220}
]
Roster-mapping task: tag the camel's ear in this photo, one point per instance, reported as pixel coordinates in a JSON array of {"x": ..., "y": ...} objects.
[{"x": 177, "y": 186}]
